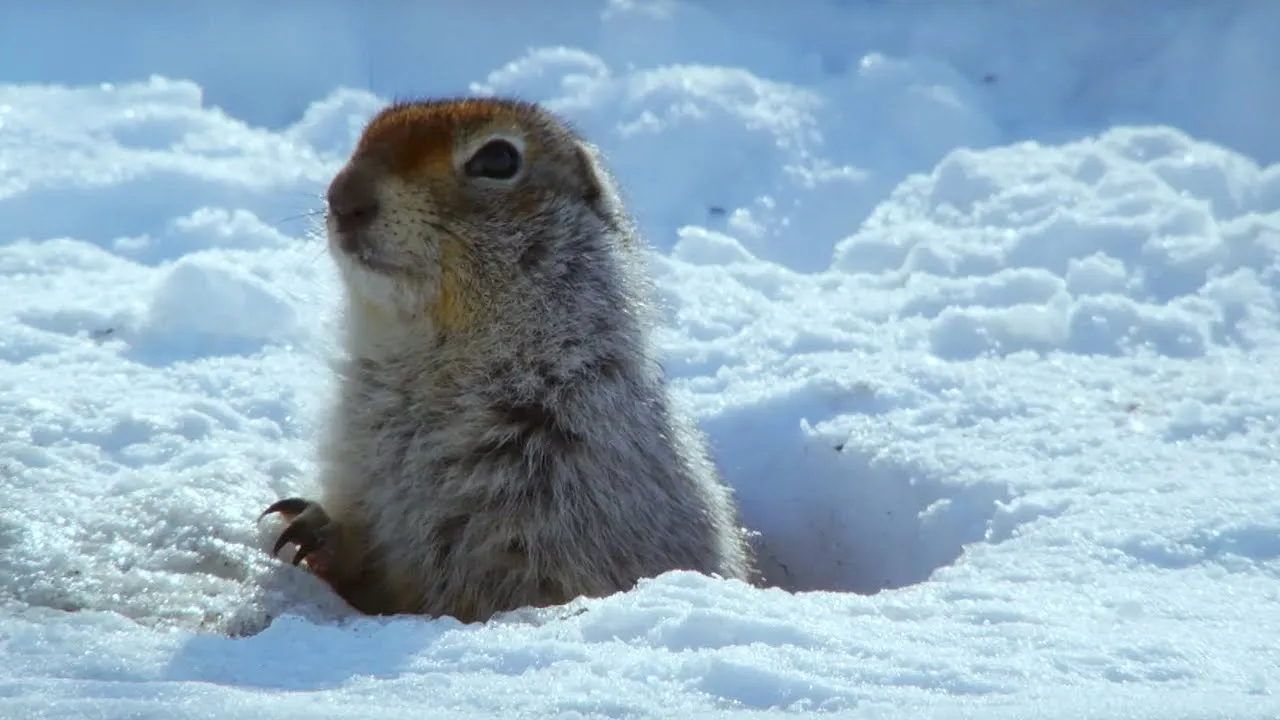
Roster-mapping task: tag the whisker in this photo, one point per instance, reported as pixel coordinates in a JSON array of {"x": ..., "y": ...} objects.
[{"x": 300, "y": 216}]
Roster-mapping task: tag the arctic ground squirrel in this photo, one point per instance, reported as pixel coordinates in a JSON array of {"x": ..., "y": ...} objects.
[{"x": 503, "y": 435}]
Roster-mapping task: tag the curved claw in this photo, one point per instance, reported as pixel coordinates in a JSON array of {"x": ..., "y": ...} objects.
[
  {"x": 286, "y": 506},
  {"x": 309, "y": 527},
  {"x": 299, "y": 535}
]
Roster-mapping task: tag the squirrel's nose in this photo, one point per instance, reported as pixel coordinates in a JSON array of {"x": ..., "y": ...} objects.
[{"x": 353, "y": 202}]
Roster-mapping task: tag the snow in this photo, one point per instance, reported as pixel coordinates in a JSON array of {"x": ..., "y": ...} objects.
[{"x": 978, "y": 303}]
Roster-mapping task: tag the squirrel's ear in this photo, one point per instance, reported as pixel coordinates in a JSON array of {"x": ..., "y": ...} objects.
[{"x": 592, "y": 174}]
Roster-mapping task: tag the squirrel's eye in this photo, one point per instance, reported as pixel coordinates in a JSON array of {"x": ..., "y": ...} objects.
[{"x": 496, "y": 160}]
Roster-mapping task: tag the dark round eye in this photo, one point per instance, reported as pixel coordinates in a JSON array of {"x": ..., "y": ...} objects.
[{"x": 496, "y": 159}]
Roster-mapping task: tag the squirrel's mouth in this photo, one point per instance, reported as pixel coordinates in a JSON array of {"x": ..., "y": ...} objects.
[
  {"x": 357, "y": 249},
  {"x": 371, "y": 261}
]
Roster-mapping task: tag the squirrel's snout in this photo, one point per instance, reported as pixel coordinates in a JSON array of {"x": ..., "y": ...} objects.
[{"x": 353, "y": 201}]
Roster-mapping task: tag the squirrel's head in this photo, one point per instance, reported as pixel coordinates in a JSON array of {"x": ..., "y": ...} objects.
[{"x": 446, "y": 204}]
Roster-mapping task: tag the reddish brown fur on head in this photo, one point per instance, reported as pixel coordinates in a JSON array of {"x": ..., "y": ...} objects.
[
  {"x": 419, "y": 139},
  {"x": 410, "y": 208}
]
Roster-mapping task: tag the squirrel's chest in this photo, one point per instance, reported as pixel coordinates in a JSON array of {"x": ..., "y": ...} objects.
[{"x": 404, "y": 432}]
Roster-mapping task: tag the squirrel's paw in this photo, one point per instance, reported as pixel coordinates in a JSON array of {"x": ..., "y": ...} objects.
[{"x": 310, "y": 528}]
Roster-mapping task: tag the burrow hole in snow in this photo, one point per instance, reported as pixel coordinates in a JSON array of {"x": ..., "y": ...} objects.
[{"x": 850, "y": 515}]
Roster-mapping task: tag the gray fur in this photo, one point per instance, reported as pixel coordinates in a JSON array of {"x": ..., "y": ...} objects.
[{"x": 531, "y": 456}]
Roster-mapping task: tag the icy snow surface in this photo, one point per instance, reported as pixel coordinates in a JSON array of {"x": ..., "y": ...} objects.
[{"x": 976, "y": 300}]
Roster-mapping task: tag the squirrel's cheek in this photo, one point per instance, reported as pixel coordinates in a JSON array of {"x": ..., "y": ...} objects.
[{"x": 450, "y": 309}]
